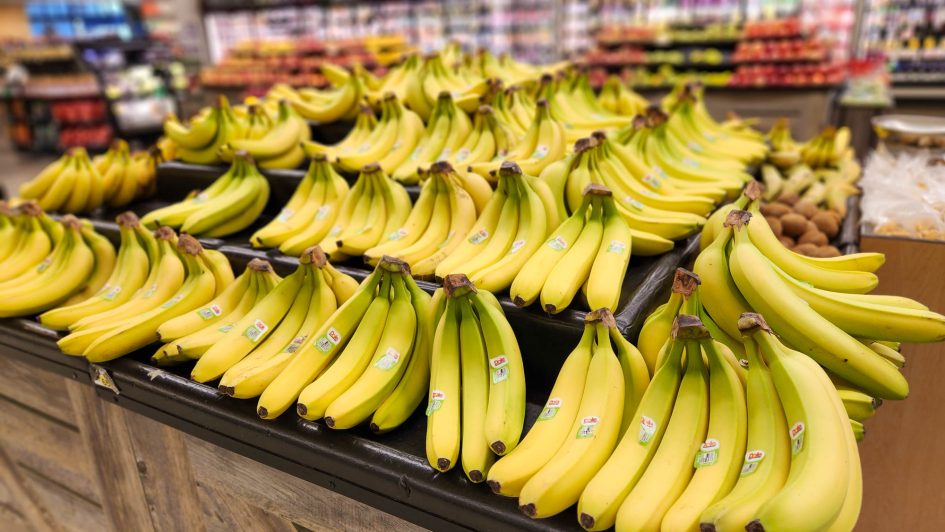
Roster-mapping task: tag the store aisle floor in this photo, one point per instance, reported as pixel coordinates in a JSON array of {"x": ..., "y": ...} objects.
[{"x": 17, "y": 167}]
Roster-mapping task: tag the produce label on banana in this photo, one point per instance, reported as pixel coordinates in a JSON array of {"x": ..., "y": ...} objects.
[
  {"x": 285, "y": 214},
  {"x": 389, "y": 360},
  {"x": 499, "y": 366},
  {"x": 295, "y": 344},
  {"x": 112, "y": 293},
  {"x": 797, "y": 437},
  {"x": 398, "y": 234},
  {"x": 43, "y": 265},
  {"x": 541, "y": 151},
  {"x": 752, "y": 461},
  {"x": 436, "y": 401},
  {"x": 588, "y": 425},
  {"x": 616, "y": 246},
  {"x": 210, "y": 312},
  {"x": 479, "y": 236},
  {"x": 255, "y": 331},
  {"x": 322, "y": 212},
  {"x": 226, "y": 328},
  {"x": 647, "y": 430},
  {"x": 558, "y": 243},
  {"x": 551, "y": 409},
  {"x": 517, "y": 245},
  {"x": 328, "y": 340},
  {"x": 172, "y": 301},
  {"x": 708, "y": 453}
]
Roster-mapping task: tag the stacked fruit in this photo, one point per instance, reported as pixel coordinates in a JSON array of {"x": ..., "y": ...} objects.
[
  {"x": 387, "y": 141},
  {"x": 325, "y": 106},
  {"x": 443, "y": 214},
  {"x": 448, "y": 127},
  {"x": 591, "y": 404},
  {"x": 819, "y": 306},
  {"x": 477, "y": 383},
  {"x": 74, "y": 183},
  {"x": 47, "y": 263},
  {"x": 822, "y": 171},
  {"x": 270, "y": 132},
  {"x": 803, "y": 227},
  {"x": 589, "y": 251},
  {"x": 369, "y": 359},
  {"x": 229, "y": 205},
  {"x": 573, "y": 104},
  {"x": 375, "y": 206},
  {"x": 310, "y": 213},
  {"x": 617, "y": 98},
  {"x": 511, "y": 227},
  {"x": 180, "y": 277}
]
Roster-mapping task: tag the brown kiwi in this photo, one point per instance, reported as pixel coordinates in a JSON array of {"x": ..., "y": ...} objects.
[{"x": 793, "y": 224}]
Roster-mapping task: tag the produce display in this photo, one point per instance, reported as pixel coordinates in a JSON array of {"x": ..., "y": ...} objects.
[
  {"x": 229, "y": 205},
  {"x": 903, "y": 194},
  {"x": 75, "y": 183}
]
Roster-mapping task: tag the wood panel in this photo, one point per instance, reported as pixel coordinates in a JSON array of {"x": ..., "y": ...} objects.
[
  {"x": 37, "y": 389},
  {"x": 108, "y": 442},
  {"x": 903, "y": 462},
  {"x": 291, "y": 498},
  {"x": 223, "y": 512},
  {"x": 71, "y": 511},
  {"x": 21, "y": 503},
  {"x": 48, "y": 446}
]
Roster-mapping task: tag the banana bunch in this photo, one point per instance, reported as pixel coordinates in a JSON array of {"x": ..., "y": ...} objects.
[
  {"x": 599, "y": 385},
  {"x": 820, "y": 307},
  {"x": 375, "y": 206},
  {"x": 369, "y": 359},
  {"x": 272, "y": 144},
  {"x": 189, "y": 336},
  {"x": 70, "y": 184},
  {"x": 688, "y": 126},
  {"x": 443, "y": 214},
  {"x": 616, "y": 98},
  {"x": 544, "y": 143},
  {"x": 252, "y": 344},
  {"x": 511, "y": 227},
  {"x": 387, "y": 141},
  {"x": 182, "y": 277},
  {"x": 476, "y": 407},
  {"x": 137, "y": 251},
  {"x": 648, "y": 139},
  {"x": 514, "y": 108},
  {"x": 310, "y": 213},
  {"x": 323, "y": 106},
  {"x": 656, "y": 220},
  {"x": 200, "y": 141},
  {"x": 47, "y": 263},
  {"x": 423, "y": 85},
  {"x": 513, "y": 72},
  {"x": 229, "y": 205},
  {"x": 447, "y": 129},
  {"x": 489, "y": 139},
  {"x": 589, "y": 251},
  {"x": 574, "y": 104},
  {"x": 395, "y": 81},
  {"x": 828, "y": 148},
  {"x": 785, "y": 151}
]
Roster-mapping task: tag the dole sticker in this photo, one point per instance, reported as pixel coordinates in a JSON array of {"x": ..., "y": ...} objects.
[
  {"x": 462, "y": 154},
  {"x": 588, "y": 425},
  {"x": 43, "y": 265},
  {"x": 652, "y": 180},
  {"x": 499, "y": 367},
  {"x": 708, "y": 453},
  {"x": 436, "y": 401},
  {"x": 633, "y": 203},
  {"x": 335, "y": 230},
  {"x": 389, "y": 360},
  {"x": 172, "y": 301},
  {"x": 558, "y": 243},
  {"x": 255, "y": 331},
  {"x": 112, "y": 293},
  {"x": 691, "y": 162},
  {"x": 647, "y": 430},
  {"x": 550, "y": 410},
  {"x": 322, "y": 212},
  {"x": 295, "y": 344},
  {"x": 226, "y": 328},
  {"x": 151, "y": 291},
  {"x": 210, "y": 312},
  {"x": 285, "y": 214},
  {"x": 752, "y": 461},
  {"x": 797, "y": 437},
  {"x": 333, "y": 336},
  {"x": 398, "y": 234},
  {"x": 541, "y": 151},
  {"x": 323, "y": 344},
  {"x": 479, "y": 237},
  {"x": 616, "y": 246},
  {"x": 695, "y": 146},
  {"x": 516, "y": 246}
]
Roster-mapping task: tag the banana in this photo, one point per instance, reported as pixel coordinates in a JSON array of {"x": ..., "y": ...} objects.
[
  {"x": 605, "y": 280},
  {"x": 311, "y": 359},
  {"x": 410, "y": 130},
  {"x": 82, "y": 187},
  {"x": 720, "y": 295},
  {"x": 417, "y": 222},
  {"x": 284, "y": 136},
  {"x": 220, "y": 267},
  {"x": 594, "y": 433},
  {"x": 414, "y": 385},
  {"x": 505, "y": 413},
  {"x": 485, "y": 247},
  {"x": 351, "y": 363},
  {"x": 137, "y": 332},
  {"x": 56, "y": 196},
  {"x": 553, "y": 426},
  {"x": 176, "y": 214},
  {"x": 423, "y": 261},
  {"x": 807, "y": 330},
  {"x": 476, "y": 456},
  {"x": 342, "y": 285},
  {"x": 658, "y": 326},
  {"x": 36, "y": 187},
  {"x": 572, "y": 270},
  {"x": 443, "y": 407},
  {"x": 719, "y": 460},
  {"x": 243, "y": 202},
  {"x": 337, "y": 103},
  {"x": 607, "y": 489},
  {"x": 228, "y": 128},
  {"x": 201, "y": 132},
  {"x": 255, "y": 326},
  {"x": 476, "y": 240},
  {"x": 671, "y": 467},
  {"x": 817, "y": 484}
]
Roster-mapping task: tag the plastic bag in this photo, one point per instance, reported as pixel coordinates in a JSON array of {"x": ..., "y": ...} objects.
[{"x": 904, "y": 194}]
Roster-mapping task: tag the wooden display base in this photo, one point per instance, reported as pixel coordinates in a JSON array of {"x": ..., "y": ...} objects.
[{"x": 902, "y": 454}]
